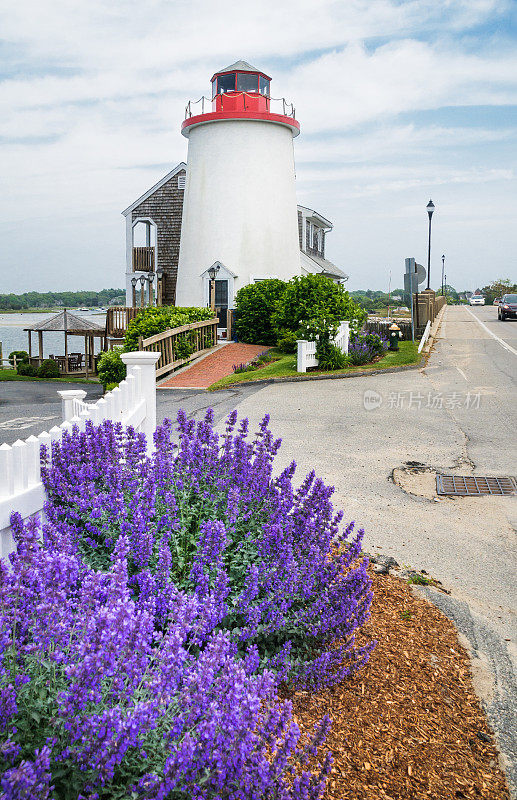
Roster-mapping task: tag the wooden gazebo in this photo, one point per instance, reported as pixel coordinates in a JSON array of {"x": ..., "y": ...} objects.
[{"x": 71, "y": 325}]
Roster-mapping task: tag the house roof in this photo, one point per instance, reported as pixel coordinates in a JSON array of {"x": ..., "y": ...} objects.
[
  {"x": 321, "y": 266},
  {"x": 181, "y": 166},
  {"x": 314, "y": 216},
  {"x": 65, "y": 321},
  {"x": 239, "y": 66}
]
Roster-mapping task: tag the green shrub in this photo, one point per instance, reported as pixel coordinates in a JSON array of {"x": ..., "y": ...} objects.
[
  {"x": 24, "y": 368},
  {"x": 110, "y": 368},
  {"x": 255, "y": 305},
  {"x": 287, "y": 341},
  {"x": 110, "y": 386},
  {"x": 331, "y": 357},
  {"x": 48, "y": 369},
  {"x": 308, "y": 297},
  {"x": 20, "y": 355},
  {"x": 156, "y": 319}
]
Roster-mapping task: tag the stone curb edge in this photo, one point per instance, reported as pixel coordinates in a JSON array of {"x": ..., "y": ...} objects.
[{"x": 299, "y": 379}]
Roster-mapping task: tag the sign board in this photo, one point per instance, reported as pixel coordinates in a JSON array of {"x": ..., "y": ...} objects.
[
  {"x": 417, "y": 270},
  {"x": 411, "y": 282}
]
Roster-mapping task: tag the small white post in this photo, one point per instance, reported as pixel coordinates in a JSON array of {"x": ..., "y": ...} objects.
[
  {"x": 116, "y": 408},
  {"x": 101, "y": 411},
  {"x": 301, "y": 355},
  {"x": 33, "y": 468},
  {"x": 20, "y": 473},
  {"x": 67, "y": 401},
  {"x": 6, "y": 471},
  {"x": 147, "y": 363}
]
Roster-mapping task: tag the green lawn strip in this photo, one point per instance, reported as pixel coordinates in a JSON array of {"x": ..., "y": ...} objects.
[
  {"x": 12, "y": 375},
  {"x": 285, "y": 367}
]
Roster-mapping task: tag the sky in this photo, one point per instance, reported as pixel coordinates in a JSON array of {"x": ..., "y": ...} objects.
[{"x": 399, "y": 101}]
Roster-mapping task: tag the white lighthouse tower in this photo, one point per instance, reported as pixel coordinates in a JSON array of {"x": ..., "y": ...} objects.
[{"x": 239, "y": 210}]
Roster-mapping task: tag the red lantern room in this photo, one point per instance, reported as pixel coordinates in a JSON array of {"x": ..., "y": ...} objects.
[{"x": 240, "y": 91}]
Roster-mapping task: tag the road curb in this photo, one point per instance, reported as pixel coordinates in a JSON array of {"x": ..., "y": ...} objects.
[{"x": 299, "y": 378}]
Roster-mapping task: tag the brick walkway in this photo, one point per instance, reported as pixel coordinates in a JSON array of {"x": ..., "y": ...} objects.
[{"x": 217, "y": 365}]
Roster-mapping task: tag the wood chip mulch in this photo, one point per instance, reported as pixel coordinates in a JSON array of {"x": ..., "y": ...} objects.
[{"x": 409, "y": 724}]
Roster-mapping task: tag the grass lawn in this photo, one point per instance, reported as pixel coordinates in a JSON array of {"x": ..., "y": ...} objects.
[
  {"x": 11, "y": 375},
  {"x": 284, "y": 366}
]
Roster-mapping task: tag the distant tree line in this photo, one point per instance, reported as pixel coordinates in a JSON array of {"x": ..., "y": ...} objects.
[{"x": 19, "y": 302}]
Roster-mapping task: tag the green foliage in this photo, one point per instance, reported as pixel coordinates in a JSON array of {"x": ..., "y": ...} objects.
[
  {"x": 26, "y": 369},
  {"x": 255, "y": 305},
  {"x": 110, "y": 368},
  {"x": 48, "y": 369},
  {"x": 331, "y": 357},
  {"x": 419, "y": 580},
  {"x": 498, "y": 288},
  {"x": 18, "y": 302},
  {"x": 405, "y": 614},
  {"x": 287, "y": 342},
  {"x": 110, "y": 386},
  {"x": 310, "y": 297},
  {"x": 157, "y": 319},
  {"x": 20, "y": 355}
]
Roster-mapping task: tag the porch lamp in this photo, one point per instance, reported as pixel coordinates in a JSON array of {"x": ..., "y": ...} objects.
[
  {"x": 159, "y": 288},
  {"x": 142, "y": 280},
  {"x": 212, "y": 272},
  {"x": 134, "y": 281},
  {"x": 430, "y": 209}
]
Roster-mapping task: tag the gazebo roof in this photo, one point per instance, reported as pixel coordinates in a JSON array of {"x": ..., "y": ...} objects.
[{"x": 70, "y": 323}]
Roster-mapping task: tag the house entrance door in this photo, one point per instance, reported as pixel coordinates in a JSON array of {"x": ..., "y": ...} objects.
[{"x": 221, "y": 301}]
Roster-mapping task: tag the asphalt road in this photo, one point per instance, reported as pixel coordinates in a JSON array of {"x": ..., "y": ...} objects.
[{"x": 29, "y": 407}]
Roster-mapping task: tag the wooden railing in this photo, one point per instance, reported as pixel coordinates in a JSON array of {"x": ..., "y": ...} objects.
[
  {"x": 117, "y": 320},
  {"x": 143, "y": 258},
  {"x": 202, "y": 336}
]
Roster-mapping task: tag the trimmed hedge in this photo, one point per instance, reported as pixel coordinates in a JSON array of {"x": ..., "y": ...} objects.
[
  {"x": 48, "y": 369},
  {"x": 309, "y": 297},
  {"x": 156, "y": 319}
]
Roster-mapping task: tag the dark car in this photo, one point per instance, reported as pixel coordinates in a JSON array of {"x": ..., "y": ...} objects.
[{"x": 507, "y": 307}]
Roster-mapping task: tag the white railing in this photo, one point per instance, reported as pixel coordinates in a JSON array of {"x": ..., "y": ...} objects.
[
  {"x": 132, "y": 402},
  {"x": 242, "y": 101},
  {"x": 306, "y": 351}
]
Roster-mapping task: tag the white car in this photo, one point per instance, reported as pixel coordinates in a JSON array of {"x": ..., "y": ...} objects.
[{"x": 477, "y": 300}]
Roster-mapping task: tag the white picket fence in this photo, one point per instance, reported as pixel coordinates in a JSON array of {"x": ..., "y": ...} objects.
[
  {"x": 133, "y": 403},
  {"x": 306, "y": 351}
]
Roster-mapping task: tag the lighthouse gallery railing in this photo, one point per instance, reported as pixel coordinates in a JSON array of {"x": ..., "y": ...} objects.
[{"x": 273, "y": 105}]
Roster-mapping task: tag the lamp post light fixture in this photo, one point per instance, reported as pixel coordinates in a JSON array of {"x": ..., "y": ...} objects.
[
  {"x": 159, "y": 286},
  {"x": 430, "y": 209},
  {"x": 212, "y": 272},
  {"x": 134, "y": 281},
  {"x": 443, "y": 267}
]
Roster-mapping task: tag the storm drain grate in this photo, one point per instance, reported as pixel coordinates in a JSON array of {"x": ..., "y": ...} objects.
[{"x": 474, "y": 485}]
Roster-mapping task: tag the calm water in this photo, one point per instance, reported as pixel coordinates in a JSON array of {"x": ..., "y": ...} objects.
[{"x": 13, "y": 337}]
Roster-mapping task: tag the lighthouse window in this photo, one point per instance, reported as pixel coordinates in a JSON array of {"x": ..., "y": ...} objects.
[
  {"x": 263, "y": 86},
  {"x": 247, "y": 82},
  {"x": 226, "y": 83}
]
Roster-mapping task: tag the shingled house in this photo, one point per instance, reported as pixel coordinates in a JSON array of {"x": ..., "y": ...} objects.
[{"x": 153, "y": 234}]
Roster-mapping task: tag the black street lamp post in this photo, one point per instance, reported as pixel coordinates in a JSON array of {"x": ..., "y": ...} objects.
[
  {"x": 430, "y": 209},
  {"x": 443, "y": 267},
  {"x": 212, "y": 272}
]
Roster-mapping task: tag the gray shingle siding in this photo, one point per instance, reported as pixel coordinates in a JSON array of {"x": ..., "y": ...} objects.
[{"x": 165, "y": 208}]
